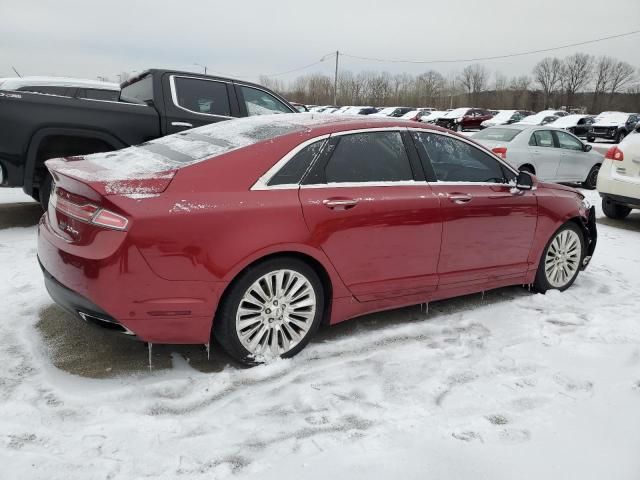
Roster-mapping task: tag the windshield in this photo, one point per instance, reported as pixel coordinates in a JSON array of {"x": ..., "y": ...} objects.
[
  {"x": 497, "y": 134},
  {"x": 457, "y": 113},
  {"x": 432, "y": 116},
  {"x": 387, "y": 111},
  {"x": 410, "y": 114},
  {"x": 568, "y": 121}
]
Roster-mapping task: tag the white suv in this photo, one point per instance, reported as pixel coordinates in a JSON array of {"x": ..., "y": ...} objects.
[{"x": 619, "y": 178}]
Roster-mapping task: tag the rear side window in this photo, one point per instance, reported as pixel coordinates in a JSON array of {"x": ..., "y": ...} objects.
[
  {"x": 456, "y": 161},
  {"x": 295, "y": 168},
  {"x": 141, "y": 90},
  {"x": 201, "y": 96},
  {"x": 63, "y": 91},
  {"x": 259, "y": 102},
  {"x": 369, "y": 157},
  {"x": 541, "y": 138}
]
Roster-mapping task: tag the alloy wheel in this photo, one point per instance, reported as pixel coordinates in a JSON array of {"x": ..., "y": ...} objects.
[
  {"x": 276, "y": 313},
  {"x": 563, "y": 258}
]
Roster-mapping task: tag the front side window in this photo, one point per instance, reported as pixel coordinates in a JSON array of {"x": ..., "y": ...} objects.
[
  {"x": 369, "y": 157},
  {"x": 541, "y": 138},
  {"x": 456, "y": 161},
  {"x": 568, "y": 142},
  {"x": 259, "y": 102},
  {"x": 202, "y": 96},
  {"x": 295, "y": 168}
]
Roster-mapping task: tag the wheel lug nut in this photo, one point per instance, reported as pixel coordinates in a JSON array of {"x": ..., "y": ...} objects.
[
  {"x": 268, "y": 310},
  {"x": 271, "y": 320}
]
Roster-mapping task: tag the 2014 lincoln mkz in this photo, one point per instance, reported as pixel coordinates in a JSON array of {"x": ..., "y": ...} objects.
[{"x": 256, "y": 231}]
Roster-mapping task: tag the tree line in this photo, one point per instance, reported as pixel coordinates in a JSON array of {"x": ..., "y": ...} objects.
[{"x": 579, "y": 81}]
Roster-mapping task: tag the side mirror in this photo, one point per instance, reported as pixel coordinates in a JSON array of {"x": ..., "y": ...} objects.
[
  {"x": 586, "y": 147},
  {"x": 524, "y": 181}
]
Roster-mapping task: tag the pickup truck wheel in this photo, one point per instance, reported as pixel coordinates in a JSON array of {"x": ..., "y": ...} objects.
[
  {"x": 614, "y": 210},
  {"x": 591, "y": 138},
  {"x": 44, "y": 192}
]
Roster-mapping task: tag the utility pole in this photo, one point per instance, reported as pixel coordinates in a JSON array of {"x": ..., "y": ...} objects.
[{"x": 335, "y": 81}]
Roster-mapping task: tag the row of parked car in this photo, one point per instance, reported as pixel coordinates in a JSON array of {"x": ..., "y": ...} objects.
[{"x": 612, "y": 126}]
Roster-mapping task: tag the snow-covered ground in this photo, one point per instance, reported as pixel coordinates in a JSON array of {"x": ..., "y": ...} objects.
[{"x": 509, "y": 386}]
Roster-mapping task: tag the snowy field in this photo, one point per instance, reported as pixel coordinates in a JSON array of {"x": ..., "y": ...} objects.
[{"x": 509, "y": 386}]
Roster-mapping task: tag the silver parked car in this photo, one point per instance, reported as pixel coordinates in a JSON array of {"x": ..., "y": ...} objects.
[{"x": 552, "y": 154}]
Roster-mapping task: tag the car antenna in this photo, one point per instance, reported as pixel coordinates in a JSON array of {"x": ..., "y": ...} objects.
[{"x": 14, "y": 69}]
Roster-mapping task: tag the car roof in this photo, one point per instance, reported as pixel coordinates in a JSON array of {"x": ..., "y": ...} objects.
[
  {"x": 191, "y": 74},
  {"x": 15, "y": 83}
]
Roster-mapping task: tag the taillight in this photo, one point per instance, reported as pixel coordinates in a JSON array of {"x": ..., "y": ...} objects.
[
  {"x": 614, "y": 153},
  {"x": 500, "y": 151},
  {"x": 88, "y": 212}
]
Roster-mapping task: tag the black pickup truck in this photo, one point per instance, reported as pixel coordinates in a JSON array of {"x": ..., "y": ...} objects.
[{"x": 35, "y": 127}]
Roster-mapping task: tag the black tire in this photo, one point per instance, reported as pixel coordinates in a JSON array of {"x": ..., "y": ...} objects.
[
  {"x": 224, "y": 327},
  {"x": 591, "y": 138},
  {"x": 614, "y": 210},
  {"x": 44, "y": 192},
  {"x": 620, "y": 136},
  {"x": 528, "y": 169},
  {"x": 592, "y": 179},
  {"x": 542, "y": 283}
]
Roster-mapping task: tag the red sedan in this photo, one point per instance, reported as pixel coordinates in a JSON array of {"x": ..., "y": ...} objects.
[{"x": 255, "y": 231}]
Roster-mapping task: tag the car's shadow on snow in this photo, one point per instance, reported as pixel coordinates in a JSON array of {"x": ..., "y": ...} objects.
[
  {"x": 632, "y": 222},
  {"x": 19, "y": 214},
  {"x": 90, "y": 351}
]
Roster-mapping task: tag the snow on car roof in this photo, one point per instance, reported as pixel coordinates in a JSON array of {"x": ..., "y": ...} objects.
[
  {"x": 16, "y": 83},
  {"x": 568, "y": 121},
  {"x": 457, "y": 113},
  {"x": 612, "y": 117},
  {"x": 503, "y": 114}
]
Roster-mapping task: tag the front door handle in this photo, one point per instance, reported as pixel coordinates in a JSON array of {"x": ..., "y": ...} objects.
[
  {"x": 340, "y": 203},
  {"x": 459, "y": 198},
  {"x": 182, "y": 124}
]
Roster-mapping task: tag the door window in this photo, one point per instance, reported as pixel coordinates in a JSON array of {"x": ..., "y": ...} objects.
[
  {"x": 369, "y": 157},
  {"x": 202, "y": 96},
  {"x": 295, "y": 168},
  {"x": 568, "y": 142},
  {"x": 456, "y": 161},
  {"x": 541, "y": 138},
  {"x": 259, "y": 102}
]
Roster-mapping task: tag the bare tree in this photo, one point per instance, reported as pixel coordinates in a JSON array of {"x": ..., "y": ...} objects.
[
  {"x": 622, "y": 73},
  {"x": 474, "y": 79},
  {"x": 602, "y": 76},
  {"x": 547, "y": 72},
  {"x": 577, "y": 71}
]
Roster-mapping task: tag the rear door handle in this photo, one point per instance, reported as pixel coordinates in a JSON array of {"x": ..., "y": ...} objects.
[
  {"x": 459, "y": 198},
  {"x": 340, "y": 203},
  {"x": 182, "y": 124}
]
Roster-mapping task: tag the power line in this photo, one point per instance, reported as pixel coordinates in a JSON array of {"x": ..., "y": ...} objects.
[
  {"x": 301, "y": 68},
  {"x": 496, "y": 57}
]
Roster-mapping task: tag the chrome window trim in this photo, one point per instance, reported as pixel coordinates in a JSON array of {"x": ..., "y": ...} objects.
[
  {"x": 281, "y": 100},
  {"x": 110, "y": 101},
  {"x": 174, "y": 95},
  {"x": 263, "y": 182}
]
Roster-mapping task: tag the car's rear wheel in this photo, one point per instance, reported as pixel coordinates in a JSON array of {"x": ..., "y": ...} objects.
[
  {"x": 592, "y": 178},
  {"x": 561, "y": 259},
  {"x": 591, "y": 138},
  {"x": 614, "y": 210},
  {"x": 271, "y": 310}
]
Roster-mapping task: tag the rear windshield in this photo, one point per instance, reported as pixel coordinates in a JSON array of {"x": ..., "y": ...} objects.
[
  {"x": 189, "y": 147},
  {"x": 141, "y": 90},
  {"x": 497, "y": 134}
]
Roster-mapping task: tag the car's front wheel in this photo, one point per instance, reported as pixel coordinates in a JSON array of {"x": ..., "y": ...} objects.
[
  {"x": 271, "y": 310},
  {"x": 614, "y": 210},
  {"x": 561, "y": 259}
]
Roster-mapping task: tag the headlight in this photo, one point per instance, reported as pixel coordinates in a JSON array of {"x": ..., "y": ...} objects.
[{"x": 585, "y": 204}]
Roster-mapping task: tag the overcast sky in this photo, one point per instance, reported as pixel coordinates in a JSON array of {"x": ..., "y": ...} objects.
[{"x": 84, "y": 38}]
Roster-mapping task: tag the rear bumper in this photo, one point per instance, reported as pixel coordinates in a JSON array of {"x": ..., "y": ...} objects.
[
  {"x": 115, "y": 287},
  {"x": 622, "y": 200},
  {"x": 623, "y": 190}
]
